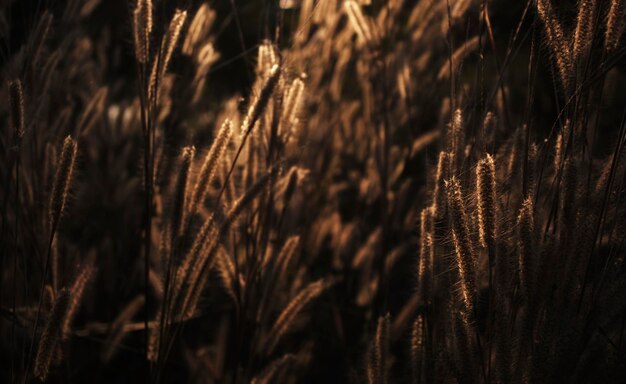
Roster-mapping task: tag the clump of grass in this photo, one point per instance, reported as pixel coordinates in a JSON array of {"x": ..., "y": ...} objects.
[{"x": 393, "y": 193}]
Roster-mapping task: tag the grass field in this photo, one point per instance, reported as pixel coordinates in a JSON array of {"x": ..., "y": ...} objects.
[{"x": 313, "y": 191}]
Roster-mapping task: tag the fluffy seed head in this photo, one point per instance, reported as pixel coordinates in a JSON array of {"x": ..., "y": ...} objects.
[
  {"x": 584, "y": 26},
  {"x": 531, "y": 170},
  {"x": 16, "y": 96},
  {"x": 615, "y": 25},
  {"x": 76, "y": 295},
  {"x": 439, "y": 197},
  {"x": 558, "y": 153},
  {"x": 62, "y": 181},
  {"x": 142, "y": 28},
  {"x": 291, "y": 106},
  {"x": 51, "y": 335},
  {"x": 267, "y": 58},
  {"x": 288, "y": 315},
  {"x": 462, "y": 240},
  {"x": 426, "y": 252},
  {"x": 286, "y": 255},
  {"x": 377, "y": 364},
  {"x": 455, "y": 137},
  {"x": 198, "y": 28},
  {"x": 171, "y": 37},
  {"x": 211, "y": 161},
  {"x": 226, "y": 271},
  {"x": 417, "y": 345},
  {"x": 486, "y": 186},
  {"x": 179, "y": 210},
  {"x": 526, "y": 228},
  {"x": 258, "y": 106},
  {"x": 557, "y": 41}
]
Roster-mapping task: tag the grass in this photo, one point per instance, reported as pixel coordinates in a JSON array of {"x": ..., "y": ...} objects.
[{"x": 313, "y": 191}]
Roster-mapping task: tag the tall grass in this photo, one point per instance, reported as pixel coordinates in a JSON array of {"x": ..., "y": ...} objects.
[{"x": 388, "y": 191}]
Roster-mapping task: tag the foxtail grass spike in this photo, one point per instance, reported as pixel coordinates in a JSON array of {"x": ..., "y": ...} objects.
[
  {"x": 526, "y": 245},
  {"x": 615, "y": 25},
  {"x": 426, "y": 252},
  {"x": 439, "y": 194},
  {"x": 462, "y": 241},
  {"x": 51, "y": 335},
  {"x": 557, "y": 40},
  {"x": 142, "y": 28},
  {"x": 76, "y": 296},
  {"x": 286, "y": 318},
  {"x": 417, "y": 348},
  {"x": 377, "y": 364},
  {"x": 209, "y": 165},
  {"x": 17, "y": 110},
  {"x": 486, "y": 188},
  {"x": 181, "y": 193},
  {"x": 584, "y": 26},
  {"x": 62, "y": 181},
  {"x": 258, "y": 106}
]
